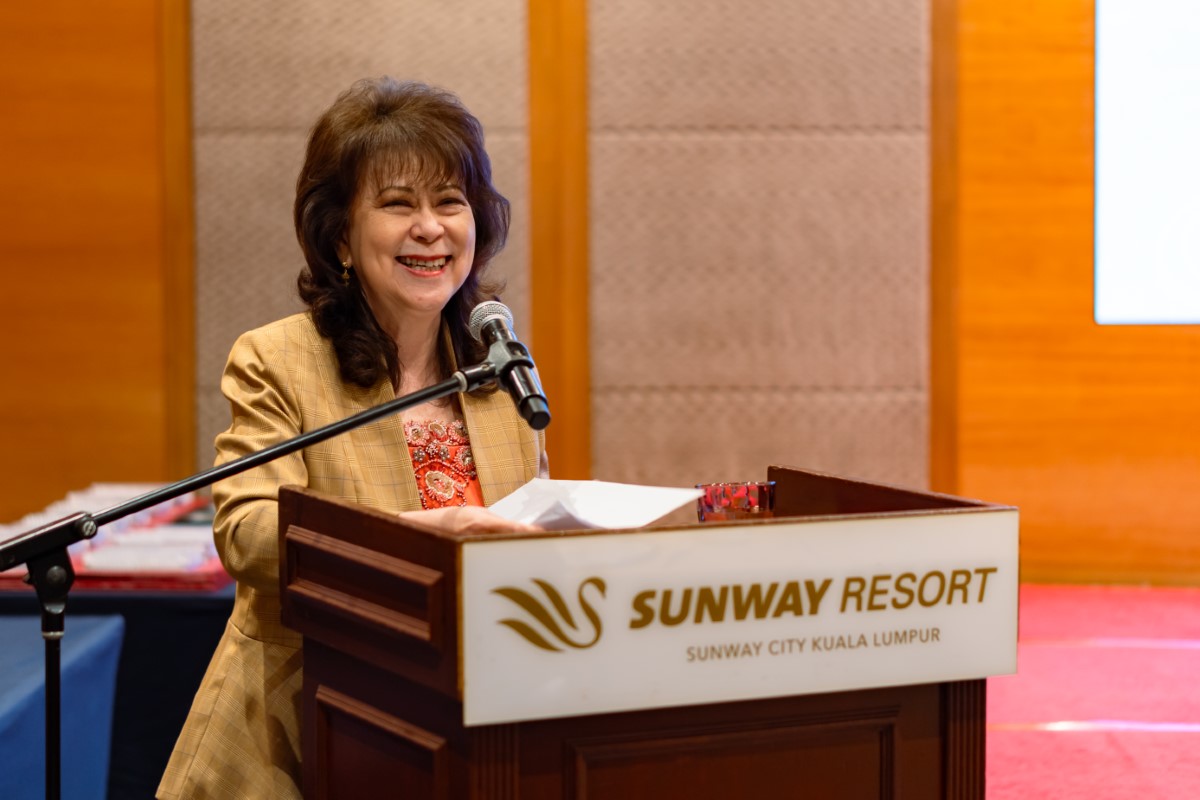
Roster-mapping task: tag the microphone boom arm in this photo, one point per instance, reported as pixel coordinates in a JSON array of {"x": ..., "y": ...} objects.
[
  {"x": 25, "y": 547},
  {"x": 44, "y": 549}
]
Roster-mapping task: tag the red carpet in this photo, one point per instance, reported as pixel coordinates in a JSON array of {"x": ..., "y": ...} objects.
[{"x": 1106, "y": 701}]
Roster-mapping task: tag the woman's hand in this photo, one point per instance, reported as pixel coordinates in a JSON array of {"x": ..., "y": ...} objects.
[{"x": 464, "y": 519}]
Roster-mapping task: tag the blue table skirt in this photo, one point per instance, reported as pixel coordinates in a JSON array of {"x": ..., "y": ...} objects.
[
  {"x": 91, "y": 648},
  {"x": 169, "y": 640}
]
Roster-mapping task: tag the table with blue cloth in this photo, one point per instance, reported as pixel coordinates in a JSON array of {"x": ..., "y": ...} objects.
[
  {"x": 169, "y": 640},
  {"x": 91, "y": 648}
]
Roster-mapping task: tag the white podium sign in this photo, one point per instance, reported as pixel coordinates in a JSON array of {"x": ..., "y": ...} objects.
[{"x": 567, "y": 625}]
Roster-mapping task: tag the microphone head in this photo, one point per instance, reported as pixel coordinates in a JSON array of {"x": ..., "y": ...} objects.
[{"x": 488, "y": 310}]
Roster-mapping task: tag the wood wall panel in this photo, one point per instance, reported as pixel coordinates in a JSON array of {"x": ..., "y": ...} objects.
[
  {"x": 85, "y": 314},
  {"x": 1091, "y": 430}
]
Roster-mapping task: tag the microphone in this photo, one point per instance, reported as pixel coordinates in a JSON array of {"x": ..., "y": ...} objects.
[{"x": 491, "y": 324}]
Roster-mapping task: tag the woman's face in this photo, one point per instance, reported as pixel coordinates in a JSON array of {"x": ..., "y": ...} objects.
[{"x": 412, "y": 246}]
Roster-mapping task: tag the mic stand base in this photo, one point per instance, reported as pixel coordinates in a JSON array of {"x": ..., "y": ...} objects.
[{"x": 51, "y": 575}]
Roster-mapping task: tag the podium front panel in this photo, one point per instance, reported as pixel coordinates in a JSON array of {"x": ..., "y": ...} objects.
[
  {"x": 590, "y": 624},
  {"x": 397, "y": 621}
]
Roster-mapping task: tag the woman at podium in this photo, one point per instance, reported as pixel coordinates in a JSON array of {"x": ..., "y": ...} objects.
[{"x": 398, "y": 221}]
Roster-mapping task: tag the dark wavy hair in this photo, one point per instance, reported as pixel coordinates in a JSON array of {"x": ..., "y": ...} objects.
[{"x": 375, "y": 129}]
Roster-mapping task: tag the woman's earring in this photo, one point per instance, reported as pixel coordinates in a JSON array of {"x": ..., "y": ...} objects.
[{"x": 346, "y": 272}]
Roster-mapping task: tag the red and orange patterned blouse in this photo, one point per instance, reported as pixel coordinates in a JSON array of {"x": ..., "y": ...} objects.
[{"x": 441, "y": 458}]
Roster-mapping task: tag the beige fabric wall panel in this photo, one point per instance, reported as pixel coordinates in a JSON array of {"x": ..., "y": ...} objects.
[
  {"x": 677, "y": 436},
  {"x": 263, "y": 71},
  {"x": 785, "y": 252},
  {"x": 279, "y": 63},
  {"x": 759, "y": 276},
  {"x": 730, "y": 64}
]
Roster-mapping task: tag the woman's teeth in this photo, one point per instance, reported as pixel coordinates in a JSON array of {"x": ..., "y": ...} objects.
[{"x": 423, "y": 264}]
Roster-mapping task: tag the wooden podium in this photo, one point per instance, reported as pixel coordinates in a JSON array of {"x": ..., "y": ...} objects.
[{"x": 380, "y": 605}]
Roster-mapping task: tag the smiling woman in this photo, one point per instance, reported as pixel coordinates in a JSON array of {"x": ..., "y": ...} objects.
[
  {"x": 398, "y": 221},
  {"x": 380, "y": 153}
]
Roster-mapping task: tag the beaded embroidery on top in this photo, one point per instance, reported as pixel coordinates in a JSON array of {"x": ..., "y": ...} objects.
[{"x": 442, "y": 461}]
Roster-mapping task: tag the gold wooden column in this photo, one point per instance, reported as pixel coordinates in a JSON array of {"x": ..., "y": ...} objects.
[
  {"x": 943, "y": 242},
  {"x": 558, "y": 192},
  {"x": 179, "y": 238}
]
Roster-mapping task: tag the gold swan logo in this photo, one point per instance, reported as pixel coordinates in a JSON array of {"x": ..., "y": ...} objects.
[{"x": 553, "y": 619}]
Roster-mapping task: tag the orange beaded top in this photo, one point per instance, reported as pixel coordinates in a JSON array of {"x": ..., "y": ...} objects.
[{"x": 442, "y": 460}]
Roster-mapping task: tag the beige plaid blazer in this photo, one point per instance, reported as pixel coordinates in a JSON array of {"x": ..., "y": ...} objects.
[{"x": 242, "y": 736}]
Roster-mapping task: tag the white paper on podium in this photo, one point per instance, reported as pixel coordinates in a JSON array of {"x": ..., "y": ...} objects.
[{"x": 568, "y": 505}]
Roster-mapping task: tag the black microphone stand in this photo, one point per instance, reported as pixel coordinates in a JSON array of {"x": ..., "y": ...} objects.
[{"x": 44, "y": 550}]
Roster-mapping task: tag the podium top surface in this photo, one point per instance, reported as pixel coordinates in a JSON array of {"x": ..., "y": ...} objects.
[{"x": 800, "y": 495}]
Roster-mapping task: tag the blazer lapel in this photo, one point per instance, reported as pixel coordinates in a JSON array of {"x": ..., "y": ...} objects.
[
  {"x": 484, "y": 421},
  {"x": 381, "y": 453}
]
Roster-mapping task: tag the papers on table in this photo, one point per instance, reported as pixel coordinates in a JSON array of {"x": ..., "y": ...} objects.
[{"x": 567, "y": 505}]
